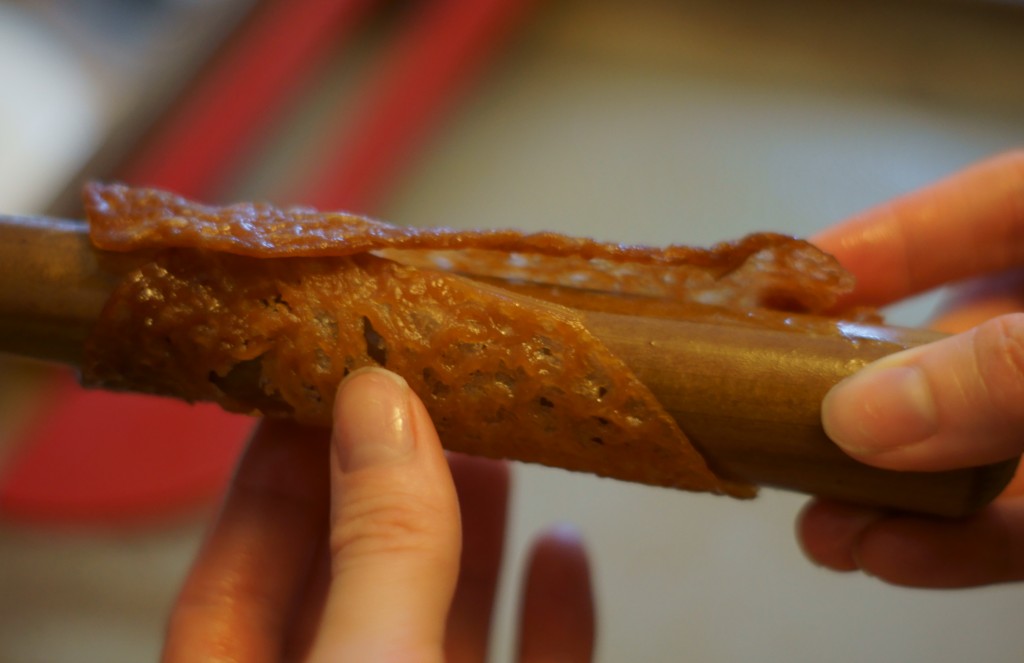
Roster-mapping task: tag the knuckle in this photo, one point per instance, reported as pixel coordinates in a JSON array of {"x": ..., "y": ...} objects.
[
  {"x": 999, "y": 352},
  {"x": 381, "y": 525}
]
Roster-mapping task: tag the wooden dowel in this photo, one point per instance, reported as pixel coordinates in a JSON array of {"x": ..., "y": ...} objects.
[
  {"x": 748, "y": 397},
  {"x": 52, "y": 288},
  {"x": 750, "y": 400}
]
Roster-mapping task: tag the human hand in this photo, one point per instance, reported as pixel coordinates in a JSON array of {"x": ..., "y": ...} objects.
[
  {"x": 348, "y": 549},
  {"x": 958, "y": 402}
]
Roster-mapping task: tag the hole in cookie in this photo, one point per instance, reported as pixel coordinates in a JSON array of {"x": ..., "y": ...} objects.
[{"x": 375, "y": 347}]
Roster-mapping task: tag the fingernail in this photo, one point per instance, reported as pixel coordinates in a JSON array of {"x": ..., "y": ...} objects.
[
  {"x": 371, "y": 420},
  {"x": 880, "y": 409},
  {"x": 566, "y": 533}
]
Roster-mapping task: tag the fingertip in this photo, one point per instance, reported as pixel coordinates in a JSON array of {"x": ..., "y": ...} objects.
[
  {"x": 559, "y": 558},
  {"x": 561, "y": 549},
  {"x": 885, "y": 407},
  {"x": 394, "y": 533},
  {"x": 363, "y": 374},
  {"x": 918, "y": 551},
  {"x": 372, "y": 420},
  {"x": 937, "y": 553},
  {"x": 949, "y": 404},
  {"x": 894, "y": 552},
  {"x": 829, "y": 533},
  {"x": 557, "y": 619},
  {"x": 558, "y": 568}
]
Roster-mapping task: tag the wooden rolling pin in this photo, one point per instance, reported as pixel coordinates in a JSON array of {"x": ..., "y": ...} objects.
[{"x": 748, "y": 398}]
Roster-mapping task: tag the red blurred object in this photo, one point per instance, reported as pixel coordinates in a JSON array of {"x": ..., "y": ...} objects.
[
  {"x": 102, "y": 458},
  {"x": 439, "y": 54},
  {"x": 238, "y": 97},
  {"x": 118, "y": 459}
]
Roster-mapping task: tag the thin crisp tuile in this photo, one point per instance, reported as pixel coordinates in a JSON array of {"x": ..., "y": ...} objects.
[
  {"x": 503, "y": 373},
  {"x": 764, "y": 269}
]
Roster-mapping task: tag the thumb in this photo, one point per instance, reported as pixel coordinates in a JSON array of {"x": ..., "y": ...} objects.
[
  {"x": 954, "y": 403},
  {"x": 394, "y": 532}
]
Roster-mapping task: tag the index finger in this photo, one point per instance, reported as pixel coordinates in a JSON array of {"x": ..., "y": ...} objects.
[
  {"x": 967, "y": 225},
  {"x": 237, "y": 601}
]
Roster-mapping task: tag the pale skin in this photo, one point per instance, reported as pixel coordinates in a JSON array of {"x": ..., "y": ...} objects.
[
  {"x": 954, "y": 403},
  {"x": 370, "y": 545}
]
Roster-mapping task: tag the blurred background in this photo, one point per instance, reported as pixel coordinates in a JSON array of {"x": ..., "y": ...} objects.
[{"x": 653, "y": 121}]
